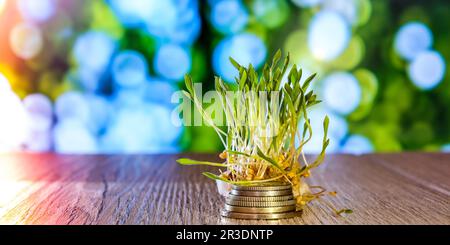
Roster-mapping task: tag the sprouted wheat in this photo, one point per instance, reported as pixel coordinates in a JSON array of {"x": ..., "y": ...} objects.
[{"x": 260, "y": 138}]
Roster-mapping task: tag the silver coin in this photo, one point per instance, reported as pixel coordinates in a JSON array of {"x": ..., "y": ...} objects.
[
  {"x": 259, "y": 210},
  {"x": 269, "y": 186},
  {"x": 233, "y": 202},
  {"x": 261, "y": 199},
  {"x": 269, "y": 216},
  {"x": 261, "y": 193}
]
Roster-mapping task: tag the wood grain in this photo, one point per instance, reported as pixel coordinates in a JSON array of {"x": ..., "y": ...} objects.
[{"x": 405, "y": 188}]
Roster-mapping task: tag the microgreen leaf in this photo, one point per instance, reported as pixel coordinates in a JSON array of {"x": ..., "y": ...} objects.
[
  {"x": 187, "y": 161},
  {"x": 271, "y": 124},
  {"x": 308, "y": 81},
  {"x": 276, "y": 58},
  {"x": 235, "y": 63},
  {"x": 214, "y": 177},
  {"x": 268, "y": 159},
  {"x": 346, "y": 211}
]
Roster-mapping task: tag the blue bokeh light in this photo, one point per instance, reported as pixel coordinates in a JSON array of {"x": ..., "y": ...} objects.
[
  {"x": 188, "y": 26},
  {"x": 357, "y": 144},
  {"x": 38, "y": 104},
  {"x": 71, "y": 136},
  {"x": 119, "y": 137},
  {"x": 446, "y": 148},
  {"x": 411, "y": 39},
  {"x": 93, "y": 50},
  {"x": 38, "y": 141},
  {"x": 127, "y": 97},
  {"x": 163, "y": 122},
  {"x": 152, "y": 130},
  {"x": 229, "y": 16},
  {"x": 342, "y": 92},
  {"x": 132, "y": 13},
  {"x": 38, "y": 122},
  {"x": 129, "y": 68},
  {"x": 328, "y": 35},
  {"x": 245, "y": 48},
  {"x": 100, "y": 110},
  {"x": 37, "y": 11},
  {"x": 87, "y": 79},
  {"x": 172, "y": 62},
  {"x": 40, "y": 112},
  {"x": 159, "y": 91},
  {"x": 161, "y": 17},
  {"x": 338, "y": 129},
  {"x": 172, "y": 20},
  {"x": 427, "y": 70},
  {"x": 72, "y": 105},
  {"x": 347, "y": 8}
]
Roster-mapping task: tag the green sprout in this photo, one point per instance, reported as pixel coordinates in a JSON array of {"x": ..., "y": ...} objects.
[{"x": 262, "y": 126}]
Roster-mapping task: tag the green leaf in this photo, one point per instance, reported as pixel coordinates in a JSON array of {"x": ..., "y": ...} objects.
[
  {"x": 239, "y": 153},
  {"x": 276, "y": 58},
  {"x": 300, "y": 73},
  {"x": 189, "y": 84},
  {"x": 297, "y": 81},
  {"x": 243, "y": 79},
  {"x": 285, "y": 66},
  {"x": 217, "y": 84},
  {"x": 308, "y": 81},
  {"x": 187, "y": 161},
  {"x": 313, "y": 103},
  {"x": 289, "y": 102},
  {"x": 229, "y": 139},
  {"x": 308, "y": 95},
  {"x": 346, "y": 211},
  {"x": 268, "y": 159},
  {"x": 235, "y": 63},
  {"x": 214, "y": 177},
  {"x": 277, "y": 81},
  {"x": 326, "y": 123},
  {"x": 292, "y": 77}
]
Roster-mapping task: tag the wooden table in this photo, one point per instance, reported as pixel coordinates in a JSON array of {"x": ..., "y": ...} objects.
[{"x": 406, "y": 188}]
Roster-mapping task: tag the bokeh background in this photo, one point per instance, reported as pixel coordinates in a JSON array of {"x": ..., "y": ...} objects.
[{"x": 94, "y": 76}]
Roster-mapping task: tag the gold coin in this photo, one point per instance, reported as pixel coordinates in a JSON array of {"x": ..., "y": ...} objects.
[
  {"x": 259, "y": 210},
  {"x": 260, "y": 204},
  {"x": 237, "y": 215},
  {"x": 270, "y": 186},
  {"x": 261, "y": 199},
  {"x": 261, "y": 193}
]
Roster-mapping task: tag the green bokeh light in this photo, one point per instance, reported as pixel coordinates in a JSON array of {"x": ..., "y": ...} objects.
[
  {"x": 369, "y": 86},
  {"x": 352, "y": 55},
  {"x": 271, "y": 13}
]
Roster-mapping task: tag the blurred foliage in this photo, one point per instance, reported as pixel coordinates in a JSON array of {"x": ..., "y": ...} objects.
[{"x": 393, "y": 112}]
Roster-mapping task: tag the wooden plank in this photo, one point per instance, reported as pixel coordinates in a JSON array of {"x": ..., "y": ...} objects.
[{"x": 404, "y": 188}]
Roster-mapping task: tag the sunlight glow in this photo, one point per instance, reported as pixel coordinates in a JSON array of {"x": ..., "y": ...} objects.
[
  {"x": 2, "y": 5},
  {"x": 26, "y": 40},
  {"x": 13, "y": 125},
  {"x": 328, "y": 35}
]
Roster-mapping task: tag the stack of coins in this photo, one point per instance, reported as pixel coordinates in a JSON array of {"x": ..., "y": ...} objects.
[{"x": 272, "y": 200}]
